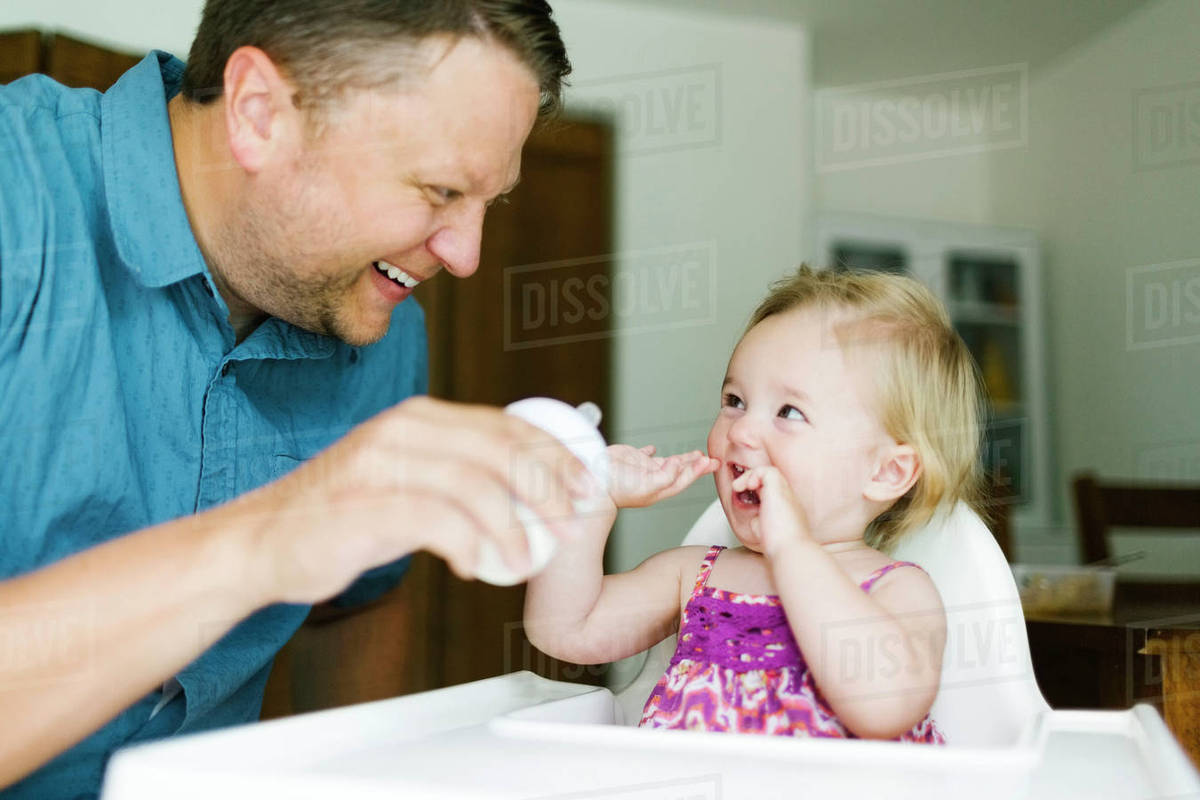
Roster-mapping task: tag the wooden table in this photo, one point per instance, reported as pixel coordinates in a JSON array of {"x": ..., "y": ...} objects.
[{"x": 1147, "y": 649}]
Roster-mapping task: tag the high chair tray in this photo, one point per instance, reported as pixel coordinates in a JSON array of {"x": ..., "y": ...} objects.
[{"x": 521, "y": 736}]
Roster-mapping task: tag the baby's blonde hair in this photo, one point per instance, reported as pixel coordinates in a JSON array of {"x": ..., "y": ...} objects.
[{"x": 927, "y": 384}]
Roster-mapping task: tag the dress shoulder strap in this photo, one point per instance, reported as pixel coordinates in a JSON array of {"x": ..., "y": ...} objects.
[
  {"x": 884, "y": 570},
  {"x": 706, "y": 566}
]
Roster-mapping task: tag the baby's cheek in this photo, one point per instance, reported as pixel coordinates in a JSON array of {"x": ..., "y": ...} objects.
[{"x": 715, "y": 437}]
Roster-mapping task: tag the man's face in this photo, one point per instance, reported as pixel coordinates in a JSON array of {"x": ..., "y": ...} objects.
[{"x": 398, "y": 178}]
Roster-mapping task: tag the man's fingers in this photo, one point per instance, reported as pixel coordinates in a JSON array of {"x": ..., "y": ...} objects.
[
  {"x": 421, "y": 475},
  {"x": 453, "y": 536},
  {"x": 455, "y": 489},
  {"x": 540, "y": 471},
  {"x": 532, "y": 461}
]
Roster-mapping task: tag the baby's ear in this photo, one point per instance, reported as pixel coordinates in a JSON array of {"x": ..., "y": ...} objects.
[{"x": 897, "y": 470}]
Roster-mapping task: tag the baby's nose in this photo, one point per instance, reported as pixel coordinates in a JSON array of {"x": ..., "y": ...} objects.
[{"x": 746, "y": 432}]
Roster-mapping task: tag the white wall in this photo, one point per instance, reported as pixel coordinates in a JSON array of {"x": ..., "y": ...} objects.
[
  {"x": 135, "y": 25},
  {"x": 1082, "y": 183},
  {"x": 729, "y": 184}
]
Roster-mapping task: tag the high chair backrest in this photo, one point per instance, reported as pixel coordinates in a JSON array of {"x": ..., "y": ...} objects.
[{"x": 988, "y": 693}]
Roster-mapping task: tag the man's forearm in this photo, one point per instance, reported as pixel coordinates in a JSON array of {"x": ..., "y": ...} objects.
[{"x": 91, "y": 634}]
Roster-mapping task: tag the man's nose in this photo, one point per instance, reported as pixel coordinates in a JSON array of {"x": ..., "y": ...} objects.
[{"x": 456, "y": 244}]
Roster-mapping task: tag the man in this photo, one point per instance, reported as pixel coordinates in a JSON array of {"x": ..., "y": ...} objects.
[{"x": 204, "y": 276}]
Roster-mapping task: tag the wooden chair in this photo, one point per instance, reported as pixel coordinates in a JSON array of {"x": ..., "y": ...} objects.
[{"x": 1101, "y": 506}]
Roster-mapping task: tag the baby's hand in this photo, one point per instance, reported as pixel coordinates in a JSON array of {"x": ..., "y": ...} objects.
[
  {"x": 781, "y": 519},
  {"x": 637, "y": 478}
]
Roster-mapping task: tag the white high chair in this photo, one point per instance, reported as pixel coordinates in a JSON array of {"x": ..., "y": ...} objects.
[{"x": 988, "y": 693}]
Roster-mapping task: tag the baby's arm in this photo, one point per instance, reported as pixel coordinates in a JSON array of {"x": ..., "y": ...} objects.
[
  {"x": 877, "y": 658},
  {"x": 576, "y": 613}
]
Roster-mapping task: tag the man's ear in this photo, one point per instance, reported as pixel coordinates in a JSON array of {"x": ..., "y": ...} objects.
[
  {"x": 261, "y": 121},
  {"x": 898, "y": 469}
]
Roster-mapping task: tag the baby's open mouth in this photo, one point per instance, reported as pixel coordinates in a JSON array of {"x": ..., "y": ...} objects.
[{"x": 747, "y": 497}]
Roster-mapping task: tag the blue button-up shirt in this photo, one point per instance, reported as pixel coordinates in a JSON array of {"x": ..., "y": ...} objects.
[{"x": 125, "y": 400}]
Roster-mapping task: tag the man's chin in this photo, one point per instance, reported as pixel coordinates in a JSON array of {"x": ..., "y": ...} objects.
[
  {"x": 354, "y": 332},
  {"x": 360, "y": 336}
]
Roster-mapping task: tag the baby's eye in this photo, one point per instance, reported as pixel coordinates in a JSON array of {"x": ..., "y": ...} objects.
[
  {"x": 731, "y": 401},
  {"x": 791, "y": 412}
]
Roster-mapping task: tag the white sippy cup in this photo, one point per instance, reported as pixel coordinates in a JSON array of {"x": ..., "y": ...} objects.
[{"x": 575, "y": 428}]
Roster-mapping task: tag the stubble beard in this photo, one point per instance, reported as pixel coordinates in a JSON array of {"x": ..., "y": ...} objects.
[{"x": 258, "y": 260}]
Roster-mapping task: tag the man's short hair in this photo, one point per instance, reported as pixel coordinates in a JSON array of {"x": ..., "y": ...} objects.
[{"x": 330, "y": 46}]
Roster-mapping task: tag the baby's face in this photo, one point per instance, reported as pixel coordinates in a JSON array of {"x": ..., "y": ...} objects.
[{"x": 792, "y": 400}]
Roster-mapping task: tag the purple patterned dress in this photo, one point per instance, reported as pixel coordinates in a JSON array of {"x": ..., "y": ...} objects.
[{"x": 737, "y": 668}]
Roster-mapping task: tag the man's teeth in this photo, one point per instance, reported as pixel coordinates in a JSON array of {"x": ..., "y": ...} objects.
[{"x": 396, "y": 274}]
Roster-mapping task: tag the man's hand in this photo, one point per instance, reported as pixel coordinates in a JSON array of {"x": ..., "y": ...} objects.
[
  {"x": 781, "y": 519},
  {"x": 637, "y": 478},
  {"x": 423, "y": 475}
]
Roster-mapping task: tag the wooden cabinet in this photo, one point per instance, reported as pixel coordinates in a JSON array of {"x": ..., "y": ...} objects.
[
  {"x": 20, "y": 54},
  {"x": 69, "y": 61}
]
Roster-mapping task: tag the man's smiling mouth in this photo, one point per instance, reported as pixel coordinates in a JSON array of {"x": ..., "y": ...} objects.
[{"x": 395, "y": 274}]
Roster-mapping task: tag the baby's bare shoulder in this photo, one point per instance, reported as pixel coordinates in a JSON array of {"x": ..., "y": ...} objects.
[
  {"x": 907, "y": 589},
  {"x": 685, "y": 560},
  {"x": 688, "y": 558}
]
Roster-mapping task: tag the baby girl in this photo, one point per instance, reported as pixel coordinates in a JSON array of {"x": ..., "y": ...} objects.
[{"x": 849, "y": 412}]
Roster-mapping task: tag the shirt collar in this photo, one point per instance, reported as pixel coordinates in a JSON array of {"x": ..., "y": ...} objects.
[
  {"x": 275, "y": 338},
  {"x": 149, "y": 223}
]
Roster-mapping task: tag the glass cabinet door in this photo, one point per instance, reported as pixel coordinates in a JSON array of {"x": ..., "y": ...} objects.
[{"x": 983, "y": 297}]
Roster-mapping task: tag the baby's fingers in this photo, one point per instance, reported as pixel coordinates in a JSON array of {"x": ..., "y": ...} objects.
[
  {"x": 750, "y": 480},
  {"x": 771, "y": 482},
  {"x": 694, "y": 464},
  {"x": 688, "y": 469}
]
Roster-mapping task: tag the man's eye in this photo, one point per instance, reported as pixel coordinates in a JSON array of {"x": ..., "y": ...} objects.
[
  {"x": 731, "y": 401},
  {"x": 444, "y": 194},
  {"x": 791, "y": 412}
]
